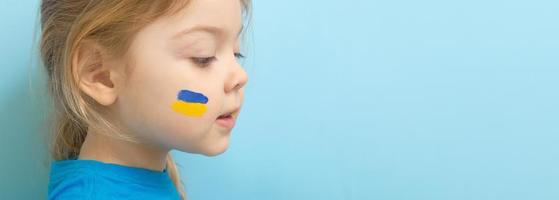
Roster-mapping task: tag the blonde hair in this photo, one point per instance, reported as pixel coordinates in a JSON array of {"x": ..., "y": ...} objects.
[{"x": 65, "y": 25}]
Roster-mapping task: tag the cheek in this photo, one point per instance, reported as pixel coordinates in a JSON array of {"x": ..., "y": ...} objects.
[
  {"x": 190, "y": 103},
  {"x": 157, "y": 106},
  {"x": 164, "y": 109},
  {"x": 181, "y": 124},
  {"x": 191, "y": 110}
]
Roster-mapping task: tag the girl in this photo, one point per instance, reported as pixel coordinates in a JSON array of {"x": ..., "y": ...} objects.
[{"x": 132, "y": 80}]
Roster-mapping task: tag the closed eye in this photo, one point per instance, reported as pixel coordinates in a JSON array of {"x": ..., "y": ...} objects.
[{"x": 203, "y": 61}]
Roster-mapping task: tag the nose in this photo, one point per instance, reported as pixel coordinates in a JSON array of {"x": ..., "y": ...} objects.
[{"x": 236, "y": 79}]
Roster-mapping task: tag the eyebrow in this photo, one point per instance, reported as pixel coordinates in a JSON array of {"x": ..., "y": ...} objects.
[{"x": 210, "y": 29}]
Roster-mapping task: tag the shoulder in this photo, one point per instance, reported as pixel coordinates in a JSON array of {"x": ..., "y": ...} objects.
[
  {"x": 89, "y": 180},
  {"x": 75, "y": 186}
]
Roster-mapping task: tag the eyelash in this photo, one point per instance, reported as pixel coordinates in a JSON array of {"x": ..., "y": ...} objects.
[
  {"x": 239, "y": 56},
  {"x": 206, "y": 61}
]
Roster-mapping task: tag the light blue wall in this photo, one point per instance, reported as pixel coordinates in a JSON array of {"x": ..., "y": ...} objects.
[
  {"x": 391, "y": 100},
  {"x": 23, "y": 164},
  {"x": 395, "y": 100}
]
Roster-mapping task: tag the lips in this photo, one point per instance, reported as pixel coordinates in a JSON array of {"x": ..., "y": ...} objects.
[
  {"x": 228, "y": 119},
  {"x": 224, "y": 116},
  {"x": 230, "y": 113}
]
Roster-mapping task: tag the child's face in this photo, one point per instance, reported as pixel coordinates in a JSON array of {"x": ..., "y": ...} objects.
[{"x": 171, "y": 60}]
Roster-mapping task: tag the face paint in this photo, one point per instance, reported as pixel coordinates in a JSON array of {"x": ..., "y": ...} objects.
[{"x": 190, "y": 103}]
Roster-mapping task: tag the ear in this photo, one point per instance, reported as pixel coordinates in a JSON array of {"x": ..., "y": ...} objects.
[{"x": 95, "y": 72}]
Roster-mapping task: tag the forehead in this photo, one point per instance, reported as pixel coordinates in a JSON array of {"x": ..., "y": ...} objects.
[
  {"x": 208, "y": 15},
  {"x": 222, "y": 15}
]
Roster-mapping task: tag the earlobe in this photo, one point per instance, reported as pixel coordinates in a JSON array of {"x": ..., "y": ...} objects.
[{"x": 94, "y": 73}]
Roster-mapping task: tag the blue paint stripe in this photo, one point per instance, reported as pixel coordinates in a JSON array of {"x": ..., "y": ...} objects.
[{"x": 194, "y": 97}]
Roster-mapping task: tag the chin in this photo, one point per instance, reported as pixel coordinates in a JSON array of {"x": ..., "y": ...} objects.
[
  {"x": 214, "y": 152},
  {"x": 215, "y": 149}
]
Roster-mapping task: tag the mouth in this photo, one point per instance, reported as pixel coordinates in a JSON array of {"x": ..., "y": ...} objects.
[{"x": 228, "y": 119}]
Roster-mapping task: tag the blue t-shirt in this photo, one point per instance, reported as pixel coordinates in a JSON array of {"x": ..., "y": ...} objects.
[{"x": 90, "y": 179}]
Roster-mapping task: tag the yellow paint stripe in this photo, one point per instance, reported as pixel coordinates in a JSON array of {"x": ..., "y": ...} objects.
[{"x": 189, "y": 109}]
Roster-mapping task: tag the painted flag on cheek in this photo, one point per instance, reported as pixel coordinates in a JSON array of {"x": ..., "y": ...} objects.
[{"x": 190, "y": 103}]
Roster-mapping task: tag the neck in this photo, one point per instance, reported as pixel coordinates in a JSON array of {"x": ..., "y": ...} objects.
[{"x": 104, "y": 148}]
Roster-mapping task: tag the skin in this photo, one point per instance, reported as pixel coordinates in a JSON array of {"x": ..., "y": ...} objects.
[{"x": 138, "y": 89}]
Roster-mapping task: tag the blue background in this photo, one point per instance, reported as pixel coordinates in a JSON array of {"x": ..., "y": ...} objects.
[{"x": 395, "y": 100}]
